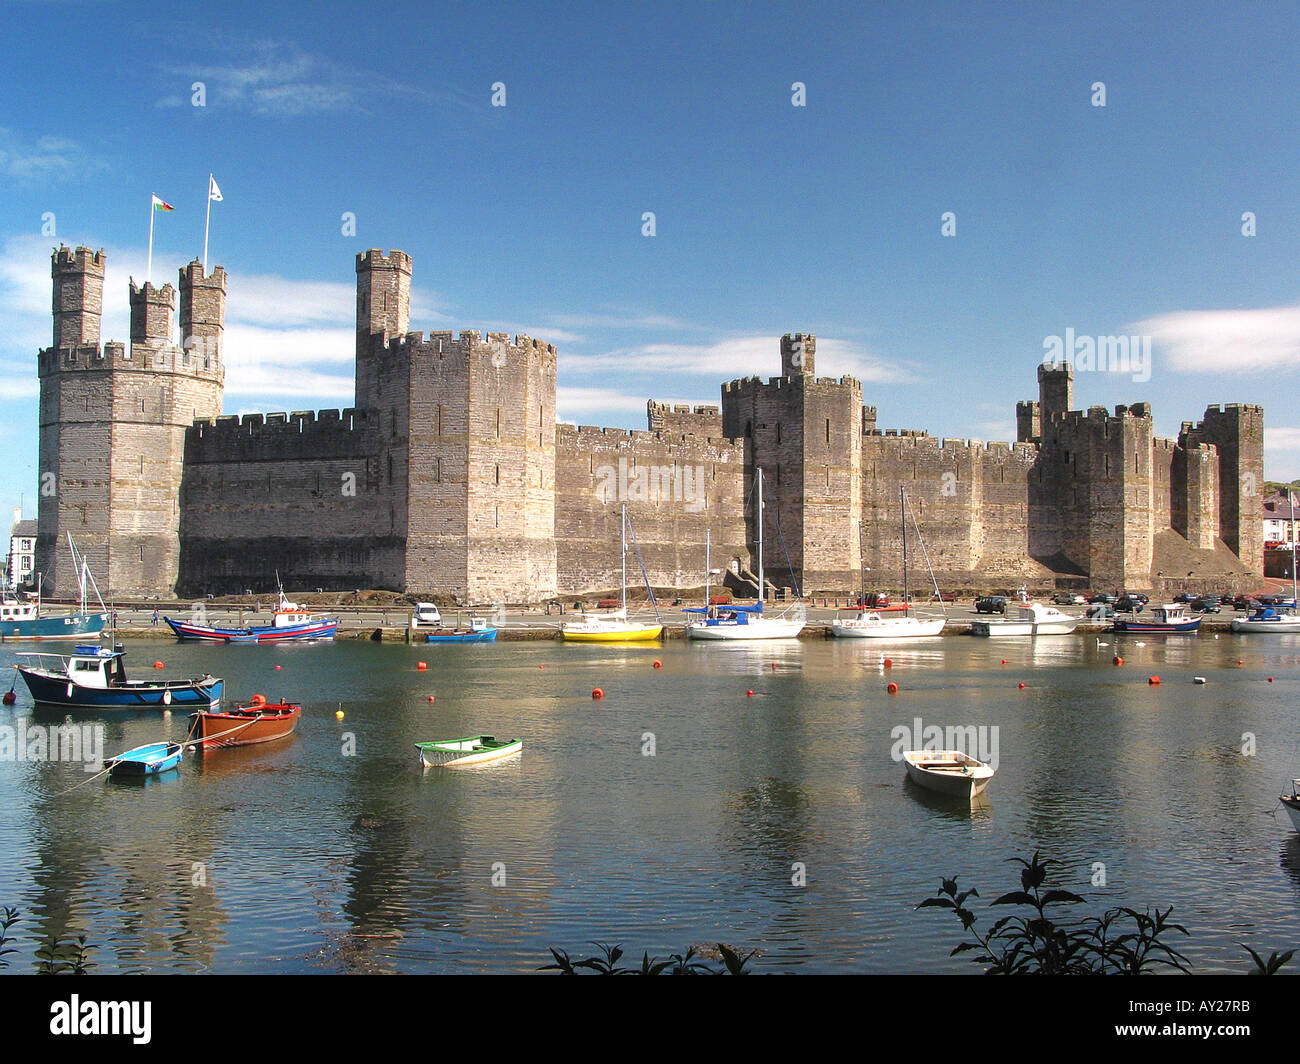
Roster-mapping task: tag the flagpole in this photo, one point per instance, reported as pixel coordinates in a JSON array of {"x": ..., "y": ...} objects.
[
  {"x": 148, "y": 278},
  {"x": 206, "y": 220}
]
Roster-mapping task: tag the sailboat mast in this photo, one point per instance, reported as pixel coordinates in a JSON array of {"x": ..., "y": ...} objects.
[
  {"x": 708, "y": 572},
  {"x": 759, "y": 488},
  {"x": 622, "y": 553},
  {"x": 1290, "y": 498},
  {"x": 902, "y": 508}
]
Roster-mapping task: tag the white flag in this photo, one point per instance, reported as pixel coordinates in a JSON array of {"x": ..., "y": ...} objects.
[{"x": 214, "y": 193}]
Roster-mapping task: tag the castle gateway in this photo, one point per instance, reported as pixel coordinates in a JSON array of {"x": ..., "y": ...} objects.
[{"x": 449, "y": 475}]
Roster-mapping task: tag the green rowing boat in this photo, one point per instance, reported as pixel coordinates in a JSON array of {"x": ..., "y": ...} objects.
[{"x": 471, "y": 751}]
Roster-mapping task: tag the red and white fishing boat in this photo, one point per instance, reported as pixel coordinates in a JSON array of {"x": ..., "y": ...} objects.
[
  {"x": 288, "y": 622},
  {"x": 259, "y": 721}
]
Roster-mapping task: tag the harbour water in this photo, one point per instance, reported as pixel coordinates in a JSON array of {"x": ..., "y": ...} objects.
[{"x": 677, "y": 810}]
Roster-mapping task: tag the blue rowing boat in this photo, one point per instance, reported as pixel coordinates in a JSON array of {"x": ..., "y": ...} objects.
[
  {"x": 479, "y": 631},
  {"x": 147, "y": 760},
  {"x": 94, "y": 677}
]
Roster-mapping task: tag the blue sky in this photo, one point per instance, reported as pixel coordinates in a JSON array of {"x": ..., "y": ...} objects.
[{"x": 769, "y": 217}]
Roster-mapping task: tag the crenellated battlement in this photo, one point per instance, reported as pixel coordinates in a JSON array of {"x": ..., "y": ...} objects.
[
  {"x": 281, "y": 435},
  {"x": 375, "y": 259},
  {"x": 442, "y": 343}
]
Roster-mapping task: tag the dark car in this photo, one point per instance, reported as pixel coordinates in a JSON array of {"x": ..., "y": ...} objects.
[
  {"x": 1129, "y": 604},
  {"x": 1243, "y": 602},
  {"x": 1183, "y": 596},
  {"x": 1102, "y": 599},
  {"x": 1206, "y": 605},
  {"x": 991, "y": 604},
  {"x": 873, "y": 600}
]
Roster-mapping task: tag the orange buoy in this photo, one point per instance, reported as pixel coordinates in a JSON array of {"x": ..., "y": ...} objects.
[
  {"x": 157, "y": 664},
  {"x": 1241, "y": 662},
  {"x": 1004, "y": 661},
  {"x": 892, "y": 688},
  {"x": 1022, "y": 687},
  {"x": 774, "y": 664},
  {"x": 1270, "y": 679},
  {"x": 597, "y": 693},
  {"x": 659, "y": 664},
  {"x": 258, "y": 700},
  {"x": 888, "y": 663},
  {"x": 277, "y": 666},
  {"x": 749, "y": 693},
  {"x": 421, "y": 666},
  {"x": 1153, "y": 680},
  {"x": 541, "y": 666},
  {"x": 431, "y": 698},
  {"x": 1117, "y": 660}
]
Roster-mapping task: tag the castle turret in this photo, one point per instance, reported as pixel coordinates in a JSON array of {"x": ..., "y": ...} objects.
[
  {"x": 798, "y": 355},
  {"x": 203, "y": 311},
  {"x": 1055, "y": 389},
  {"x": 78, "y": 295},
  {"x": 383, "y": 311},
  {"x": 152, "y": 310},
  {"x": 112, "y": 435}
]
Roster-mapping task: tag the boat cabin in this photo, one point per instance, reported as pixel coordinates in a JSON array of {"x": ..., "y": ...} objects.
[
  {"x": 1170, "y": 613},
  {"x": 11, "y": 609},
  {"x": 97, "y": 667}
]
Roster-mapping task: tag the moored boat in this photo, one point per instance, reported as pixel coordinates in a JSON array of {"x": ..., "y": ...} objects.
[
  {"x": 872, "y": 625},
  {"x": 148, "y": 760},
  {"x": 473, "y": 750},
  {"x": 258, "y": 721},
  {"x": 479, "y": 631},
  {"x": 949, "y": 772},
  {"x": 1268, "y": 619},
  {"x": 94, "y": 677},
  {"x": 1033, "y": 618},
  {"x": 719, "y": 623},
  {"x": 1169, "y": 618},
  {"x": 288, "y": 622},
  {"x": 27, "y": 620},
  {"x": 1291, "y": 803},
  {"x": 616, "y": 626}
]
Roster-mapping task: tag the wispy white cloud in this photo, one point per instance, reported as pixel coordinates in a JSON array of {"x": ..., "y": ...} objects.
[
  {"x": 269, "y": 79},
  {"x": 744, "y": 356},
  {"x": 578, "y": 404},
  {"x": 43, "y": 159},
  {"x": 1226, "y": 341}
]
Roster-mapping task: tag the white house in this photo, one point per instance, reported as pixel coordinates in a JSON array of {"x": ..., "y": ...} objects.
[
  {"x": 1278, "y": 510},
  {"x": 22, "y": 551}
]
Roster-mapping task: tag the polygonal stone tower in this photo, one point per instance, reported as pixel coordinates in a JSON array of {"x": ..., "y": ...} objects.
[{"x": 113, "y": 422}]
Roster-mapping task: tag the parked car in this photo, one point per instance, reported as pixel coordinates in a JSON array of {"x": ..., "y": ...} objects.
[
  {"x": 425, "y": 615},
  {"x": 1102, "y": 598},
  {"x": 1068, "y": 598},
  {"x": 991, "y": 604},
  {"x": 1243, "y": 602},
  {"x": 1183, "y": 596},
  {"x": 873, "y": 600},
  {"x": 1128, "y": 604},
  {"x": 1206, "y": 605}
]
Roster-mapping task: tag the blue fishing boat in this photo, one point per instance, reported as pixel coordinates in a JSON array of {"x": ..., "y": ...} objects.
[
  {"x": 94, "y": 677},
  {"x": 479, "y": 631},
  {"x": 147, "y": 760},
  {"x": 26, "y": 619}
]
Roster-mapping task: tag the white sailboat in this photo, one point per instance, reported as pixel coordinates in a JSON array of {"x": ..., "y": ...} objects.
[
  {"x": 745, "y": 622},
  {"x": 873, "y": 626},
  {"x": 615, "y": 626},
  {"x": 1276, "y": 618}
]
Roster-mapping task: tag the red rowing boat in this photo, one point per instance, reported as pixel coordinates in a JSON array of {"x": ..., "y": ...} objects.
[{"x": 244, "y": 725}]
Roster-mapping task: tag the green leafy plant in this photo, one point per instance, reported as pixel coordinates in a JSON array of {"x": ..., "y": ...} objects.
[
  {"x": 10, "y": 918},
  {"x": 1122, "y": 941},
  {"x": 64, "y": 958},
  {"x": 688, "y": 963}
]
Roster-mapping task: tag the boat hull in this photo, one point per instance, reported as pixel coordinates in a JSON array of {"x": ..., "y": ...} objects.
[
  {"x": 947, "y": 772},
  {"x": 147, "y": 760},
  {"x": 1292, "y": 806},
  {"x": 1281, "y": 626},
  {"x": 244, "y": 726},
  {"x": 477, "y": 635},
  {"x": 750, "y": 627},
  {"x": 474, "y": 750},
  {"x": 633, "y": 634},
  {"x": 891, "y": 628},
  {"x": 184, "y": 631},
  {"x": 70, "y": 626},
  {"x": 60, "y": 691},
  {"x": 1159, "y": 627}
]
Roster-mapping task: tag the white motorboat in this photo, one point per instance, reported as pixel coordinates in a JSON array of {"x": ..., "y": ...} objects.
[
  {"x": 1283, "y": 617},
  {"x": 873, "y": 626},
  {"x": 1033, "y": 618},
  {"x": 746, "y": 622},
  {"x": 949, "y": 772}
]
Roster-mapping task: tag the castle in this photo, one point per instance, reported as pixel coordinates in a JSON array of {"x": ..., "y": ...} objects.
[{"x": 449, "y": 475}]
